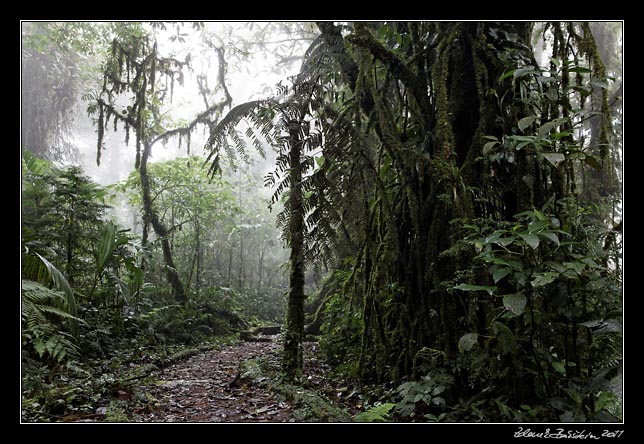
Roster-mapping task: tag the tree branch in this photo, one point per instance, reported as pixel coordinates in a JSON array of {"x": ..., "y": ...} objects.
[
  {"x": 363, "y": 38},
  {"x": 201, "y": 118},
  {"x": 121, "y": 117},
  {"x": 333, "y": 38}
]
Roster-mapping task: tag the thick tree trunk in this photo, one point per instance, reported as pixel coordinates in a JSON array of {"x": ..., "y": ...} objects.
[
  {"x": 293, "y": 355},
  {"x": 151, "y": 216}
]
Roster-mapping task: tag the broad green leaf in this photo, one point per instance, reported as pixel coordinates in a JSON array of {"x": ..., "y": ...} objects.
[
  {"x": 550, "y": 236},
  {"x": 561, "y": 135},
  {"x": 468, "y": 287},
  {"x": 546, "y": 80},
  {"x": 320, "y": 161},
  {"x": 506, "y": 75},
  {"x": 531, "y": 239},
  {"x": 106, "y": 246},
  {"x": 540, "y": 215},
  {"x": 554, "y": 158},
  {"x": 522, "y": 138},
  {"x": 438, "y": 390},
  {"x": 578, "y": 267},
  {"x": 546, "y": 128},
  {"x": 557, "y": 266},
  {"x": 120, "y": 284},
  {"x": 466, "y": 343},
  {"x": 515, "y": 303},
  {"x": 521, "y": 145},
  {"x": 526, "y": 122},
  {"x": 590, "y": 262},
  {"x": 494, "y": 236},
  {"x": 559, "y": 367},
  {"x": 537, "y": 225},
  {"x": 552, "y": 94},
  {"x": 522, "y": 72},
  {"x": 585, "y": 90},
  {"x": 500, "y": 274},
  {"x": 541, "y": 279},
  {"x": 504, "y": 241},
  {"x": 580, "y": 69},
  {"x": 488, "y": 147}
]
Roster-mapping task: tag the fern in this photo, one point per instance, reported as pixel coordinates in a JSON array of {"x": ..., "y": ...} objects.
[
  {"x": 330, "y": 188},
  {"x": 227, "y": 129},
  {"x": 41, "y": 322},
  {"x": 379, "y": 413},
  {"x": 36, "y": 267}
]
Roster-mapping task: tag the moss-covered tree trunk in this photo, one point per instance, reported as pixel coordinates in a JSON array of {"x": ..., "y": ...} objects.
[
  {"x": 293, "y": 354},
  {"x": 150, "y": 216}
]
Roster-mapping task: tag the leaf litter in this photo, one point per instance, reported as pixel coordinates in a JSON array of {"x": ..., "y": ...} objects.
[{"x": 207, "y": 387}]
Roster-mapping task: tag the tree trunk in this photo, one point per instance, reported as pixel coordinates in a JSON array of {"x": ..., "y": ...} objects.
[
  {"x": 199, "y": 258},
  {"x": 151, "y": 216},
  {"x": 240, "y": 280},
  {"x": 293, "y": 355},
  {"x": 230, "y": 265},
  {"x": 260, "y": 269}
]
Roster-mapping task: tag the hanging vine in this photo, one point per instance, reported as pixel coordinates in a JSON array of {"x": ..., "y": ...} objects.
[{"x": 135, "y": 67}]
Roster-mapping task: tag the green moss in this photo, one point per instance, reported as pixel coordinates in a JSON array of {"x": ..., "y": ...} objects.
[{"x": 308, "y": 405}]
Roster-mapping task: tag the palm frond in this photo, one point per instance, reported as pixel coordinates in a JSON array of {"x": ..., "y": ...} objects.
[{"x": 60, "y": 282}]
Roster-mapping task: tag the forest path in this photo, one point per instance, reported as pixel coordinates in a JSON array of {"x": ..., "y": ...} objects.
[{"x": 207, "y": 387}]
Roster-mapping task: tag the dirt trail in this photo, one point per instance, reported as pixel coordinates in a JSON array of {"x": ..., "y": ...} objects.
[{"x": 204, "y": 388}]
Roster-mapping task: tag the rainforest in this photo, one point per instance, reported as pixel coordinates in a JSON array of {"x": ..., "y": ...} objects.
[{"x": 369, "y": 221}]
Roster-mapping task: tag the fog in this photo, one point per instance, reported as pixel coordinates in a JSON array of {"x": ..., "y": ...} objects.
[{"x": 252, "y": 73}]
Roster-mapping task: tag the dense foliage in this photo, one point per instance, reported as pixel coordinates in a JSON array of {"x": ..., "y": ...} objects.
[
  {"x": 93, "y": 297},
  {"x": 488, "y": 245}
]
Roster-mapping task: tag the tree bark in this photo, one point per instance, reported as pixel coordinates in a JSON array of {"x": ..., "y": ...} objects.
[
  {"x": 293, "y": 354},
  {"x": 151, "y": 216}
]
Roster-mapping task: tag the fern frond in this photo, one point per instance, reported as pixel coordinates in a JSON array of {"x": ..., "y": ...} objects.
[
  {"x": 379, "y": 413},
  {"x": 227, "y": 127},
  {"x": 38, "y": 300},
  {"x": 39, "y": 330}
]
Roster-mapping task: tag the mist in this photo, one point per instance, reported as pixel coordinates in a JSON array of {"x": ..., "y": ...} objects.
[{"x": 382, "y": 221}]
